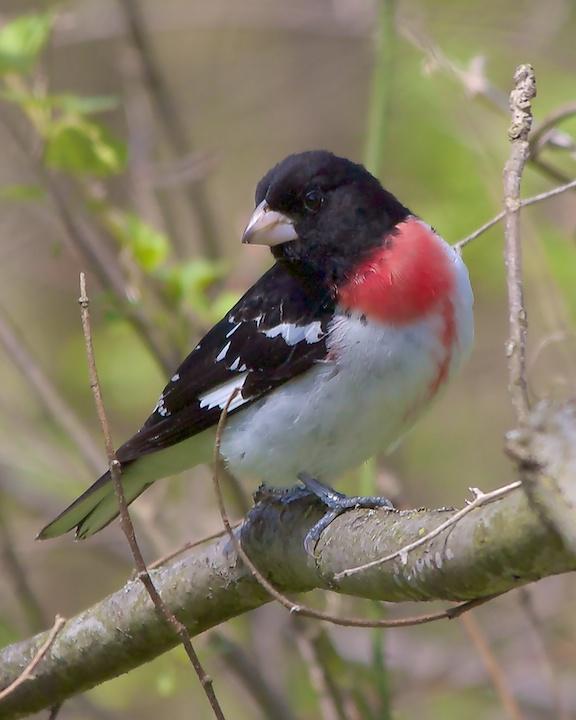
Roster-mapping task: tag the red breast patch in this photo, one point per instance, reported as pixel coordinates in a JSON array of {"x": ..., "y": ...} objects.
[{"x": 409, "y": 276}]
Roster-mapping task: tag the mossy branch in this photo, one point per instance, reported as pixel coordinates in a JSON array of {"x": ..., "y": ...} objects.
[{"x": 493, "y": 549}]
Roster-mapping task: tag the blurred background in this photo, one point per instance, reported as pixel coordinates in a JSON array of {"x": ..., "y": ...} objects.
[{"x": 133, "y": 134}]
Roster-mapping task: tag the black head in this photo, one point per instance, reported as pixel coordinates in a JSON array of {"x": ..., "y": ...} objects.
[{"x": 321, "y": 214}]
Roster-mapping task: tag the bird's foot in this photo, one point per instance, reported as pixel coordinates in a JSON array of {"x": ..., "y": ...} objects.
[{"x": 337, "y": 503}]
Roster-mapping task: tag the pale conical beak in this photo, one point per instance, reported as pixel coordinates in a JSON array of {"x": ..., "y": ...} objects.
[{"x": 268, "y": 227}]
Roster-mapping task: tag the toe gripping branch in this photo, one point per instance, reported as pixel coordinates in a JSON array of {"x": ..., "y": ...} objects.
[{"x": 337, "y": 503}]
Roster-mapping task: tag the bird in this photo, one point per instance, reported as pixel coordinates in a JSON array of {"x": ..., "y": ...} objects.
[{"x": 333, "y": 353}]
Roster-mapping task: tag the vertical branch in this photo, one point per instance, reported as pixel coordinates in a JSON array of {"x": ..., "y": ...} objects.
[
  {"x": 125, "y": 521},
  {"x": 379, "y": 103},
  {"x": 89, "y": 242},
  {"x": 378, "y": 113},
  {"x": 27, "y": 600},
  {"x": 269, "y": 700},
  {"x": 382, "y": 681},
  {"x": 560, "y": 711},
  {"x": 170, "y": 118},
  {"x": 139, "y": 127},
  {"x": 520, "y": 105},
  {"x": 474, "y": 632},
  {"x": 308, "y": 642}
]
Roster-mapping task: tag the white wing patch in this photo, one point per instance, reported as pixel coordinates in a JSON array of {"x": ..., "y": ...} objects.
[
  {"x": 219, "y": 395},
  {"x": 222, "y": 354},
  {"x": 293, "y": 334},
  {"x": 231, "y": 332},
  {"x": 160, "y": 408}
]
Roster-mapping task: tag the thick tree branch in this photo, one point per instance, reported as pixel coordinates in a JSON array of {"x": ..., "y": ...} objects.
[{"x": 493, "y": 549}]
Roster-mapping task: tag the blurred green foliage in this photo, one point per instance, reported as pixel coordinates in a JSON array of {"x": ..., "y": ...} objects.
[
  {"x": 80, "y": 146},
  {"x": 22, "y": 40}
]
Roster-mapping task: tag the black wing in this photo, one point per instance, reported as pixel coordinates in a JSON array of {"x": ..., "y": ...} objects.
[{"x": 276, "y": 331}]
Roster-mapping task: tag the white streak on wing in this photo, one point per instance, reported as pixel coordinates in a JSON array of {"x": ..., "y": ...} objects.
[
  {"x": 160, "y": 407},
  {"x": 231, "y": 332},
  {"x": 222, "y": 354},
  {"x": 314, "y": 332},
  {"x": 293, "y": 334},
  {"x": 219, "y": 395},
  {"x": 235, "y": 364}
]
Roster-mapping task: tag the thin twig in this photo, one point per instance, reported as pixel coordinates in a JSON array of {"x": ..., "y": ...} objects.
[
  {"x": 170, "y": 117},
  {"x": 308, "y": 641},
  {"x": 541, "y": 136},
  {"x": 480, "y": 498},
  {"x": 55, "y": 711},
  {"x": 188, "y": 546},
  {"x": 381, "y": 91},
  {"x": 87, "y": 240},
  {"x": 36, "y": 660},
  {"x": 125, "y": 521},
  {"x": 476, "y": 85},
  {"x": 271, "y": 702},
  {"x": 522, "y": 204},
  {"x": 560, "y": 711},
  {"x": 474, "y": 632},
  {"x": 449, "y": 613},
  {"x": 47, "y": 393},
  {"x": 140, "y": 140},
  {"x": 520, "y": 105}
]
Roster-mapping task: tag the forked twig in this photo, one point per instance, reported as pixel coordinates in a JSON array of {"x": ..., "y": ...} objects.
[
  {"x": 547, "y": 126},
  {"x": 522, "y": 204},
  {"x": 126, "y": 522},
  {"x": 36, "y": 660}
]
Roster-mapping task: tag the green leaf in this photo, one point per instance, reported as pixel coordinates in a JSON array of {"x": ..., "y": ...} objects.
[
  {"x": 70, "y": 104},
  {"x": 83, "y": 147},
  {"x": 83, "y": 105},
  {"x": 22, "y": 192},
  {"x": 22, "y": 40},
  {"x": 148, "y": 246}
]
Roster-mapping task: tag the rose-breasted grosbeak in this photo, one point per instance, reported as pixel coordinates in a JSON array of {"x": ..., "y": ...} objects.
[{"x": 336, "y": 350}]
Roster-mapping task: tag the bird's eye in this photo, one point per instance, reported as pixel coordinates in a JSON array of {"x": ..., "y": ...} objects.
[{"x": 313, "y": 200}]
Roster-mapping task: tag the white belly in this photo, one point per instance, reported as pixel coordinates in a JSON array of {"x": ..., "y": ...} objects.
[{"x": 345, "y": 410}]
